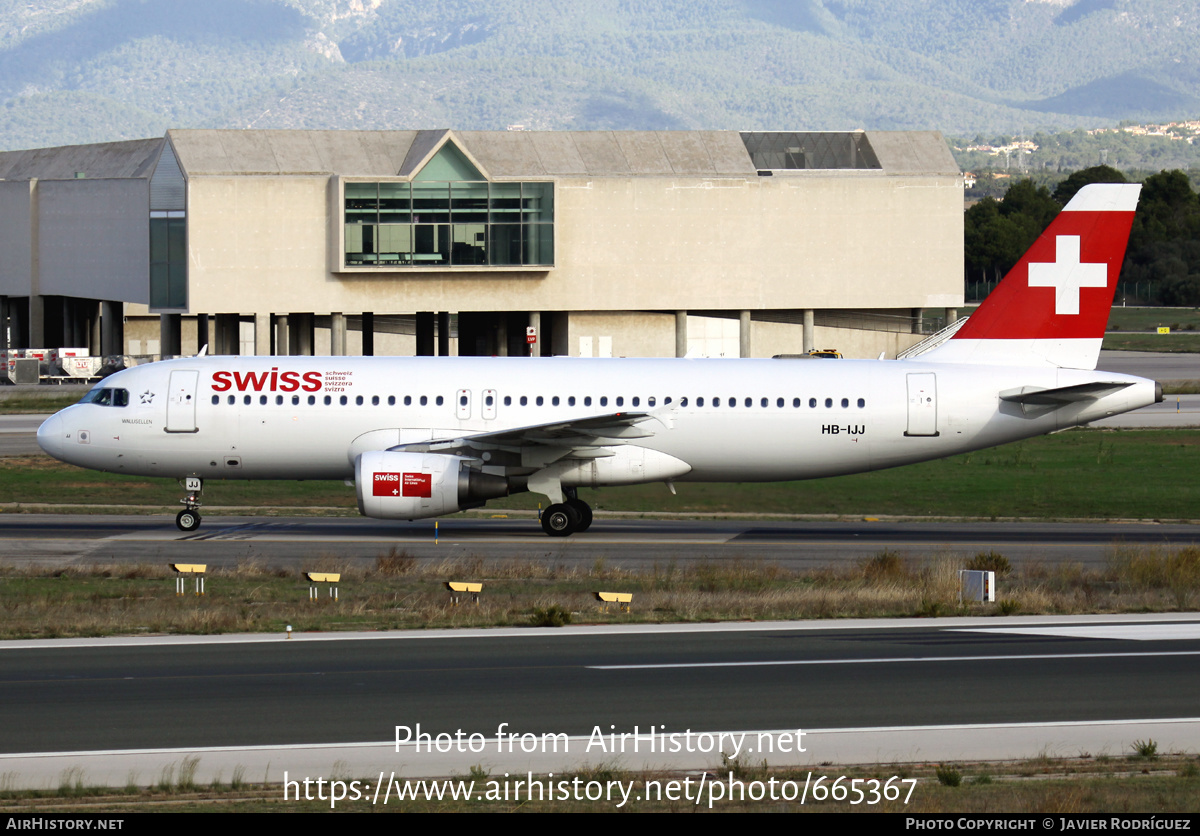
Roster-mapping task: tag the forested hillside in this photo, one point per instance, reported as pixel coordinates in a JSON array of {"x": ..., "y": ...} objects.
[{"x": 90, "y": 70}]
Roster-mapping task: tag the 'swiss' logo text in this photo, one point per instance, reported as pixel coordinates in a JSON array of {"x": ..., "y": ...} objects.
[{"x": 272, "y": 381}]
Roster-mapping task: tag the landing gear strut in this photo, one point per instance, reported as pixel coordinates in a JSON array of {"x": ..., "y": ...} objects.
[
  {"x": 189, "y": 518},
  {"x": 566, "y": 518}
]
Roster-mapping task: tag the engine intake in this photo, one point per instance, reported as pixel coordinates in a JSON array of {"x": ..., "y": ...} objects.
[{"x": 412, "y": 486}]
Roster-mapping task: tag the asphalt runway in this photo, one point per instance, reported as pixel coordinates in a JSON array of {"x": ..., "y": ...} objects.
[
  {"x": 61, "y": 539},
  {"x": 18, "y": 434},
  {"x": 1156, "y": 365},
  {"x": 950, "y": 685}
]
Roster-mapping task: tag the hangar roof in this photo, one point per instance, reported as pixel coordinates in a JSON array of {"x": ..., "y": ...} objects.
[
  {"x": 129, "y": 159},
  {"x": 525, "y": 154}
]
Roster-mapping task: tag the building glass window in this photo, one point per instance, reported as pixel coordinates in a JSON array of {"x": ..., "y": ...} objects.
[{"x": 449, "y": 215}]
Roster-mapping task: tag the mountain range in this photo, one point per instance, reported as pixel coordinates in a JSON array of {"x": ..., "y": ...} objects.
[{"x": 76, "y": 71}]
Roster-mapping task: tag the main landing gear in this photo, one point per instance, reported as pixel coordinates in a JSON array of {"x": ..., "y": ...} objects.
[
  {"x": 566, "y": 518},
  {"x": 189, "y": 518}
]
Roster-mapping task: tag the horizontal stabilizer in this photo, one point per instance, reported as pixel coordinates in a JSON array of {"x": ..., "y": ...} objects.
[{"x": 1036, "y": 396}]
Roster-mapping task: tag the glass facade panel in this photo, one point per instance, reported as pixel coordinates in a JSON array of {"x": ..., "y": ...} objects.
[
  {"x": 537, "y": 202},
  {"x": 168, "y": 262},
  {"x": 505, "y": 203},
  {"x": 395, "y": 243},
  {"x": 469, "y": 202},
  {"x": 362, "y": 203},
  {"x": 504, "y": 244},
  {"x": 395, "y": 203},
  {"x": 469, "y": 244},
  {"x": 539, "y": 243},
  {"x": 431, "y": 203},
  {"x": 430, "y": 223},
  {"x": 431, "y": 244}
]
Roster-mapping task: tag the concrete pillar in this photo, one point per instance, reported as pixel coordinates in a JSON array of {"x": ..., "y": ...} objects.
[
  {"x": 918, "y": 320},
  {"x": 951, "y": 316},
  {"x": 4, "y": 346},
  {"x": 681, "y": 333},
  {"x": 112, "y": 328},
  {"x": 262, "y": 334},
  {"x": 202, "y": 336},
  {"x": 170, "y": 332},
  {"x": 337, "y": 334},
  {"x": 282, "y": 340},
  {"x": 300, "y": 334},
  {"x": 67, "y": 318},
  {"x": 368, "y": 334},
  {"x": 502, "y": 335},
  {"x": 229, "y": 334},
  {"x": 425, "y": 338},
  {"x": 94, "y": 348},
  {"x": 36, "y": 336},
  {"x": 744, "y": 334},
  {"x": 535, "y": 321},
  {"x": 810, "y": 337},
  {"x": 443, "y": 333}
]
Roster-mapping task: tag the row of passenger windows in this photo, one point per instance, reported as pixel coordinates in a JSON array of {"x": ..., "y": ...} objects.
[{"x": 539, "y": 400}]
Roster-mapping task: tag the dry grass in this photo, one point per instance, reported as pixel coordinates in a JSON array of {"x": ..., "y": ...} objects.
[
  {"x": 398, "y": 591},
  {"x": 1042, "y": 786}
]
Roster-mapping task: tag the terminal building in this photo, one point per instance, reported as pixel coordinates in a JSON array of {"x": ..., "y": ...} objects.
[{"x": 605, "y": 243}]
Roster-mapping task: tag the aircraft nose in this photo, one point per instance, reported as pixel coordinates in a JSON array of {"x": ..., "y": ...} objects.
[{"x": 50, "y": 436}]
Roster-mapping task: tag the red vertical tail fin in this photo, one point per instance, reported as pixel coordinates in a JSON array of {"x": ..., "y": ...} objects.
[{"x": 1052, "y": 308}]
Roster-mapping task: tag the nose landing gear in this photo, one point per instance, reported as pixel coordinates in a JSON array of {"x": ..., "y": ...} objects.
[{"x": 189, "y": 518}]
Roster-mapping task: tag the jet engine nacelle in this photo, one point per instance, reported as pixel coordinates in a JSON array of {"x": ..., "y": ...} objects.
[{"x": 412, "y": 486}]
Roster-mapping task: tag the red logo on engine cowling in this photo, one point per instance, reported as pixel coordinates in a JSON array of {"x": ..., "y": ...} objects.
[
  {"x": 272, "y": 381},
  {"x": 386, "y": 484},
  {"x": 418, "y": 484}
]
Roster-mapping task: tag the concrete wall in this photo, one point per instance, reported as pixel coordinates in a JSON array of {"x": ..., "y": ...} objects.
[
  {"x": 94, "y": 239},
  {"x": 16, "y": 240},
  {"x": 803, "y": 240}
]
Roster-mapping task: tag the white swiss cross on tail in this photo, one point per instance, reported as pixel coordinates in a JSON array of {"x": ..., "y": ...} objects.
[
  {"x": 1067, "y": 275},
  {"x": 1052, "y": 307}
]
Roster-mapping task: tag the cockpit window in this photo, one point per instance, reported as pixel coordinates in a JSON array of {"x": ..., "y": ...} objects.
[{"x": 107, "y": 397}]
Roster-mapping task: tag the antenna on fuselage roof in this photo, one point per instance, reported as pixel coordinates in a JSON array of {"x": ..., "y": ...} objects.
[{"x": 203, "y": 351}]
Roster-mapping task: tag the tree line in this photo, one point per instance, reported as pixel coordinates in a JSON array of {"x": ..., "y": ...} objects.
[{"x": 1162, "y": 260}]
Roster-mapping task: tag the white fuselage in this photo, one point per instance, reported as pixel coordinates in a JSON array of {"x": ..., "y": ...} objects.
[{"x": 729, "y": 420}]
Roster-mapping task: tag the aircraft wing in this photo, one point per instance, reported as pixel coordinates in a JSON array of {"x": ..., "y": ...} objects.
[{"x": 539, "y": 444}]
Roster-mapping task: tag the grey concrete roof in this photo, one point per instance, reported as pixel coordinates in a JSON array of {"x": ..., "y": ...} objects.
[
  {"x": 912, "y": 152},
  {"x": 515, "y": 154},
  {"x": 132, "y": 158}
]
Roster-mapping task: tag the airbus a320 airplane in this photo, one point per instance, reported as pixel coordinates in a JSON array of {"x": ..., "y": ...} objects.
[{"x": 423, "y": 437}]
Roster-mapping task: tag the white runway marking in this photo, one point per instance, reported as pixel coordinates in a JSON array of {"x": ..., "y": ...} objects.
[
  {"x": 892, "y": 661},
  {"x": 1128, "y": 632}
]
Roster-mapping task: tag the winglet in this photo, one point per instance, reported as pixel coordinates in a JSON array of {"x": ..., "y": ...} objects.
[{"x": 1052, "y": 308}]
